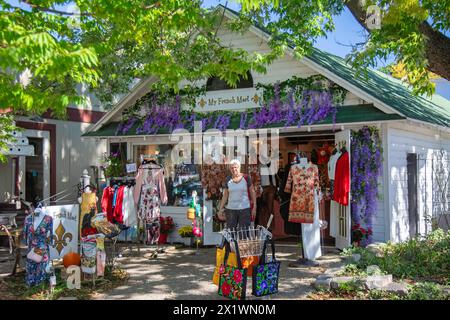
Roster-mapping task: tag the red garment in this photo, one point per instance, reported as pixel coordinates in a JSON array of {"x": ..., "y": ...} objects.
[
  {"x": 118, "y": 214},
  {"x": 107, "y": 199},
  {"x": 323, "y": 154},
  {"x": 342, "y": 180}
]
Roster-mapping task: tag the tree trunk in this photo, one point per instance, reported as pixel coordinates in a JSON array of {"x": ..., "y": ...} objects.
[{"x": 437, "y": 47}]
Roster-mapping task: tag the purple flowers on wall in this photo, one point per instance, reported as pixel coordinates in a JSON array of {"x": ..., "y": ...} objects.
[
  {"x": 366, "y": 167},
  {"x": 288, "y": 108}
]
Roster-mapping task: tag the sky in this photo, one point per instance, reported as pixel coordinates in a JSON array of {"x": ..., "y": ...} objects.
[{"x": 347, "y": 32}]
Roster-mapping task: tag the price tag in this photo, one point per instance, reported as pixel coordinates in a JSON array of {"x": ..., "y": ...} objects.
[{"x": 131, "y": 167}]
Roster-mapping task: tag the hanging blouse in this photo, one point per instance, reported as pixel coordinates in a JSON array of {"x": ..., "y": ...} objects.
[
  {"x": 107, "y": 201},
  {"x": 255, "y": 174},
  {"x": 342, "y": 180},
  {"x": 332, "y": 165},
  {"x": 302, "y": 183},
  {"x": 118, "y": 213},
  {"x": 128, "y": 208},
  {"x": 213, "y": 177}
]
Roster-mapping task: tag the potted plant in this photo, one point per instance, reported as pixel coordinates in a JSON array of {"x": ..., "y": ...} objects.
[
  {"x": 112, "y": 165},
  {"x": 187, "y": 234},
  {"x": 359, "y": 234},
  {"x": 166, "y": 225}
]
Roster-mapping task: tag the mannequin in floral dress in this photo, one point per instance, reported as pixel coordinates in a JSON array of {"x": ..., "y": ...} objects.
[{"x": 38, "y": 234}]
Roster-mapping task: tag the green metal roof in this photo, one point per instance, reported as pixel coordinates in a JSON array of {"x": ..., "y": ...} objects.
[
  {"x": 388, "y": 90},
  {"x": 391, "y": 91},
  {"x": 345, "y": 114}
]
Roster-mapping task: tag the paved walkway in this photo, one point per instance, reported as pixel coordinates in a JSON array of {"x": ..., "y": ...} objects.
[{"x": 180, "y": 273}]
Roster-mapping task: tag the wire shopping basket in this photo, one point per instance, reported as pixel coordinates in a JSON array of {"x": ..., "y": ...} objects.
[{"x": 250, "y": 241}]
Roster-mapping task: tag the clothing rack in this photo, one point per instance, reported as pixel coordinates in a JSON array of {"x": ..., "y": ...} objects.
[{"x": 154, "y": 157}]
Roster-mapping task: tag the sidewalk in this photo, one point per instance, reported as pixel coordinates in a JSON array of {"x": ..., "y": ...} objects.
[{"x": 180, "y": 273}]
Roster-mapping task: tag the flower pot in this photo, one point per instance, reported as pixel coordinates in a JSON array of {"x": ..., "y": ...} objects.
[
  {"x": 189, "y": 241},
  {"x": 163, "y": 238}
]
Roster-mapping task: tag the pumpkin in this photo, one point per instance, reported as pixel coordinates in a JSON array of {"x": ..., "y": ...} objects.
[
  {"x": 191, "y": 213},
  {"x": 71, "y": 259}
]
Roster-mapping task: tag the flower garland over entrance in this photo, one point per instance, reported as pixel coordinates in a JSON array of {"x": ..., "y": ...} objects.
[
  {"x": 366, "y": 168},
  {"x": 294, "y": 102}
]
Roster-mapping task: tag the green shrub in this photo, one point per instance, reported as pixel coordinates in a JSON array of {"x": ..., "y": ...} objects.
[
  {"x": 426, "y": 291},
  {"x": 427, "y": 258}
]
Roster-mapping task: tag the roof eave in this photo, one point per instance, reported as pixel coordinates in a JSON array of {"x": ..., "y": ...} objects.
[{"x": 122, "y": 103}]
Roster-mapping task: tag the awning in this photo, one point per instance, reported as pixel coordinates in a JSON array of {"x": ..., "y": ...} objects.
[{"x": 345, "y": 114}]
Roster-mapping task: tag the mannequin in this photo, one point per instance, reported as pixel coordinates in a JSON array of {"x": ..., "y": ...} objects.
[
  {"x": 310, "y": 231},
  {"x": 38, "y": 235}
]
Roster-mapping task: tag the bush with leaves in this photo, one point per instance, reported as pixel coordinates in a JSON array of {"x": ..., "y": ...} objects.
[{"x": 417, "y": 259}]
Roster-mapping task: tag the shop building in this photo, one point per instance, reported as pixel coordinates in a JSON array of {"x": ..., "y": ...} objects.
[{"x": 414, "y": 136}]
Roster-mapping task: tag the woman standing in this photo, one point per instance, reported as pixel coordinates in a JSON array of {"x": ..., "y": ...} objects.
[{"x": 239, "y": 197}]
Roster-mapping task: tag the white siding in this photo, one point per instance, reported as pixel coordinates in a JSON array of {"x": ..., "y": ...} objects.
[
  {"x": 73, "y": 155},
  {"x": 425, "y": 144}
]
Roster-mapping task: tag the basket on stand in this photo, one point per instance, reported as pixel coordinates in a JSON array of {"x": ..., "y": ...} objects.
[{"x": 250, "y": 241}]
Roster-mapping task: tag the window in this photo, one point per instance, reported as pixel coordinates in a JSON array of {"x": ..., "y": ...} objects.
[
  {"x": 180, "y": 178},
  {"x": 119, "y": 148},
  {"x": 215, "y": 83}
]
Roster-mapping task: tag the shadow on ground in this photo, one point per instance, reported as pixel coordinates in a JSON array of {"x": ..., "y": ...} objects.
[{"x": 184, "y": 273}]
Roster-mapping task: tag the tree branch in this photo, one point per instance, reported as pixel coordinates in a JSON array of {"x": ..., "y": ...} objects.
[{"x": 437, "y": 46}]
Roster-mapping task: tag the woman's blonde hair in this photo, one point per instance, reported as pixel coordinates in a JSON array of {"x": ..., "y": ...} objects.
[{"x": 235, "y": 161}]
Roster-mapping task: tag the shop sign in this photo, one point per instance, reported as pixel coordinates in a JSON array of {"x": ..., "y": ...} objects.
[
  {"x": 65, "y": 229},
  {"x": 131, "y": 167},
  {"x": 237, "y": 99}
]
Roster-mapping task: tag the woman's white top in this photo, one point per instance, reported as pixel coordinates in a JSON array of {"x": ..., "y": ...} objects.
[{"x": 237, "y": 195}]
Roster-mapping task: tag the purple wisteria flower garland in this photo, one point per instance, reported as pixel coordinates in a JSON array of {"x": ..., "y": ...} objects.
[
  {"x": 366, "y": 168},
  {"x": 297, "y": 106}
]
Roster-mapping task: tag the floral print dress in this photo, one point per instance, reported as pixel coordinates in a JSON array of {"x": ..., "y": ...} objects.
[
  {"x": 151, "y": 190},
  {"x": 302, "y": 183},
  {"x": 39, "y": 238}
]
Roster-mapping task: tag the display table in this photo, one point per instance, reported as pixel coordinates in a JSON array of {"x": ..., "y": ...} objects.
[{"x": 16, "y": 233}]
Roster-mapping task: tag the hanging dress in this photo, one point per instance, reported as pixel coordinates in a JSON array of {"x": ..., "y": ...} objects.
[
  {"x": 38, "y": 238},
  {"x": 150, "y": 193},
  {"x": 301, "y": 183}
]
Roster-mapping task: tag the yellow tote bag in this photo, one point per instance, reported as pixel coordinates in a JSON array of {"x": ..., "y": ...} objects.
[{"x": 247, "y": 262}]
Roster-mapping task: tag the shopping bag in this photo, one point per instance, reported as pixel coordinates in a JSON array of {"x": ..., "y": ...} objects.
[
  {"x": 266, "y": 274},
  {"x": 232, "y": 280},
  {"x": 247, "y": 262},
  {"x": 220, "y": 255}
]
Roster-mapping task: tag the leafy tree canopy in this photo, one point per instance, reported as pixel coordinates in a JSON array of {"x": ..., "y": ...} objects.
[{"x": 48, "y": 48}]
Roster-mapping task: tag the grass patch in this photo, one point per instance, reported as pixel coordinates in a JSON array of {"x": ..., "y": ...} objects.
[{"x": 14, "y": 287}]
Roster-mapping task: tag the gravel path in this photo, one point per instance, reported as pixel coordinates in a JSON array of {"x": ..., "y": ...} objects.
[{"x": 181, "y": 273}]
